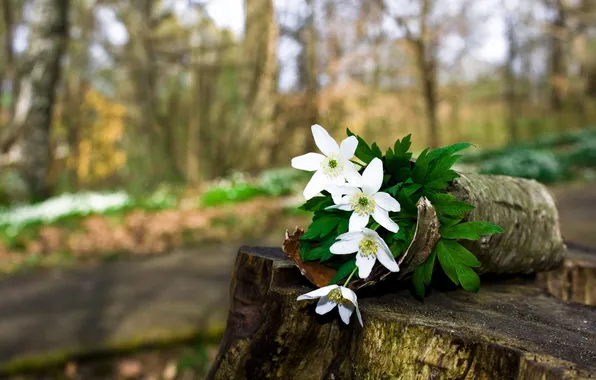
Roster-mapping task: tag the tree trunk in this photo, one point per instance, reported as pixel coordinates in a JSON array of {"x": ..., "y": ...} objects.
[
  {"x": 7, "y": 80},
  {"x": 557, "y": 58},
  {"x": 260, "y": 50},
  {"x": 508, "y": 330},
  {"x": 428, "y": 79},
  {"x": 509, "y": 93},
  {"x": 47, "y": 41}
]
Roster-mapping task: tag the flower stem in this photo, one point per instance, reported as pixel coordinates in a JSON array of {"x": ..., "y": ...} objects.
[{"x": 350, "y": 277}]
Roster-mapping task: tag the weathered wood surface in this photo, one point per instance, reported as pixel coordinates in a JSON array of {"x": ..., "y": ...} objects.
[
  {"x": 509, "y": 330},
  {"x": 527, "y": 212},
  {"x": 575, "y": 280}
]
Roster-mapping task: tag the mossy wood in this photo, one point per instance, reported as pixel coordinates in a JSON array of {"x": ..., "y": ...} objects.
[
  {"x": 511, "y": 329},
  {"x": 525, "y": 209}
]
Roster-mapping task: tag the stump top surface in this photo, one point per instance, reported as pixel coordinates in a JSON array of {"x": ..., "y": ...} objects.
[{"x": 513, "y": 312}]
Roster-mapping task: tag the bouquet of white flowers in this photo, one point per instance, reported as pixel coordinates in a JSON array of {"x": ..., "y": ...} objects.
[{"x": 375, "y": 212}]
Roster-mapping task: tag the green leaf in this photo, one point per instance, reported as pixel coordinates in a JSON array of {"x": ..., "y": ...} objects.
[
  {"x": 421, "y": 168},
  {"x": 448, "y": 150},
  {"x": 428, "y": 267},
  {"x": 305, "y": 247},
  {"x": 455, "y": 208},
  {"x": 470, "y": 230},
  {"x": 376, "y": 150},
  {"x": 459, "y": 253},
  {"x": 468, "y": 278},
  {"x": 321, "y": 227},
  {"x": 363, "y": 151},
  {"x": 418, "y": 282},
  {"x": 343, "y": 271},
  {"x": 343, "y": 226},
  {"x": 447, "y": 261},
  {"x": 316, "y": 204},
  {"x": 394, "y": 189},
  {"x": 401, "y": 147},
  {"x": 316, "y": 253},
  {"x": 411, "y": 188}
]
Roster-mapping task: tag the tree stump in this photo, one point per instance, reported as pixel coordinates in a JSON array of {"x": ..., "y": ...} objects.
[{"x": 511, "y": 329}]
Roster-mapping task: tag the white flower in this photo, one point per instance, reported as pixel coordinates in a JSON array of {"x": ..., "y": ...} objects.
[
  {"x": 367, "y": 200},
  {"x": 335, "y": 295},
  {"x": 331, "y": 167},
  {"x": 369, "y": 246}
]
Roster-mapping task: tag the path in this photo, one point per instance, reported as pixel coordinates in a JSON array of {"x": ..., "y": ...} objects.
[
  {"x": 162, "y": 297},
  {"x": 119, "y": 303}
]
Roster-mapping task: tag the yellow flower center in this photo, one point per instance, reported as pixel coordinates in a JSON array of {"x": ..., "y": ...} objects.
[
  {"x": 332, "y": 166},
  {"x": 368, "y": 247},
  {"x": 336, "y": 296},
  {"x": 362, "y": 204}
]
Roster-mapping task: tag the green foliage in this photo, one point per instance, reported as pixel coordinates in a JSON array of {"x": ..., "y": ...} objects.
[
  {"x": 407, "y": 181},
  {"x": 223, "y": 195},
  {"x": 456, "y": 262},
  {"x": 542, "y": 166},
  {"x": 470, "y": 230},
  {"x": 364, "y": 152}
]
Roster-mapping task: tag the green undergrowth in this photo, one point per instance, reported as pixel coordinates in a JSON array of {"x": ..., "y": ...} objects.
[
  {"x": 237, "y": 188},
  {"x": 549, "y": 159}
]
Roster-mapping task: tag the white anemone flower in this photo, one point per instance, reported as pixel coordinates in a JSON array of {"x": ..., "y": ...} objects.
[
  {"x": 335, "y": 295},
  {"x": 331, "y": 167},
  {"x": 369, "y": 247},
  {"x": 367, "y": 200}
]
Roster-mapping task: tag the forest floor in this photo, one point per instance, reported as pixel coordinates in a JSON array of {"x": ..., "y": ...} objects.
[{"x": 159, "y": 299}]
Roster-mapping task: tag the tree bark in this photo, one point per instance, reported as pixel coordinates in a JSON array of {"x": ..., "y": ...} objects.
[
  {"x": 47, "y": 42},
  {"x": 527, "y": 212},
  {"x": 508, "y": 330}
]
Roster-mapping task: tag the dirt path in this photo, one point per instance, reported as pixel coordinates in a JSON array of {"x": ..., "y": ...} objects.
[{"x": 115, "y": 304}]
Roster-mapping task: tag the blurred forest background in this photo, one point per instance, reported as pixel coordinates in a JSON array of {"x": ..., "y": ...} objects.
[
  {"x": 146, "y": 92},
  {"x": 145, "y": 127}
]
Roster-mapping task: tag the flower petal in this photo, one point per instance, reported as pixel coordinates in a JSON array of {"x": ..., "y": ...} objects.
[
  {"x": 382, "y": 217},
  {"x": 343, "y": 207},
  {"x": 357, "y": 222},
  {"x": 349, "y": 295},
  {"x": 352, "y": 176},
  {"x": 365, "y": 264},
  {"x": 372, "y": 177},
  {"x": 359, "y": 316},
  {"x": 345, "y": 247},
  {"x": 324, "y": 141},
  {"x": 387, "y": 260},
  {"x": 324, "y": 306},
  {"x": 348, "y": 147},
  {"x": 309, "y": 161},
  {"x": 338, "y": 192},
  {"x": 382, "y": 244},
  {"x": 316, "y": 185},
  {"x": 345, "y": 312},
  {"x": 387, "y": 202},
  {"x": 351, "y": 235},
  {"x": 317, "y": 293}
]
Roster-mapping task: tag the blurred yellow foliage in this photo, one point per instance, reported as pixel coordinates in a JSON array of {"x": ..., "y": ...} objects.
[{"x": 99, "y": 153}]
